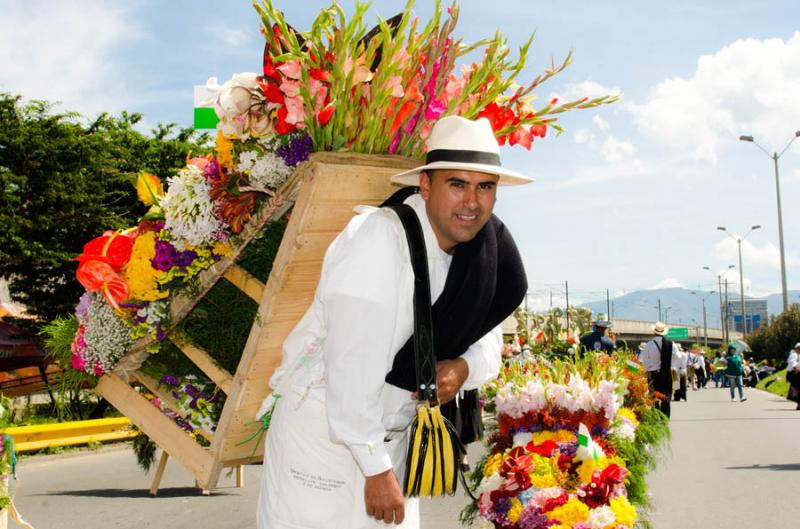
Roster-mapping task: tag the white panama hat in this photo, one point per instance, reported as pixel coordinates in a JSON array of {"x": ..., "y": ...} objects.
[
  {"x": 460, "y": 143},
  {"x": 659, "y": 328}
]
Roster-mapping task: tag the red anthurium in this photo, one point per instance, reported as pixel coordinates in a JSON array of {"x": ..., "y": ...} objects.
[
  {"x": 113, "y": 248},
  {"x": 545, "y": 449},
  {"x": 325, "y": 114},
  {"x": 97, "y": 276}
]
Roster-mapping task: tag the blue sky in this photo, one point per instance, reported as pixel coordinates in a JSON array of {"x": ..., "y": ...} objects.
[{"x": 627, "y": 198}]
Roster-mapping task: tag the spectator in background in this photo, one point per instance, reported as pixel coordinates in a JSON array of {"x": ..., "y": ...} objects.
[
  {"x": 719, "y": 369},
  {"x": 597, "y": 340},
  {"x": 793, "y": 374},
  {"x": 683, "y": 368},
  {"x": 699, "y": 365},
  {"x": 659, "y": 359},
  {"x": 734, "y": 371}
]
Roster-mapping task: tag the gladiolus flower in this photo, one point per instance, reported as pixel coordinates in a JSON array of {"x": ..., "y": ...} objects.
[
  {"x": 325, "y": 114},
  {"x": 290, "y": 69},
  {"x": 149, "y": 189}
]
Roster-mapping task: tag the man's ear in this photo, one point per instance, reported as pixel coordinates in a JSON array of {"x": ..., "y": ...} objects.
[{"x": 424, "y": 185}]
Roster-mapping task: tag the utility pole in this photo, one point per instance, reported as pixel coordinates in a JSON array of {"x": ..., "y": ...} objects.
[
  {"x": 727, "y": 333},
  {"x": 659, "y": 310},
  {"x": 721, "y": 314},
  {"x": 741, "y": 289},
  {"x": 705, "y": 325},
  {"x": 608, "y": 305},
  {"x": 566, "y": 288}
]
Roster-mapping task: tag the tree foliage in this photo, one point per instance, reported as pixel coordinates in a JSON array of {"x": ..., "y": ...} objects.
[
  {"x": 63, "y": 181},
  {"x": 775, "y": 340}
]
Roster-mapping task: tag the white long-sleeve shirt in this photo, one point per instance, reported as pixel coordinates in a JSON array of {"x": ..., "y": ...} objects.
[
  {"x": 651, "y": 356},
  {"x": 342, "y": 349}
]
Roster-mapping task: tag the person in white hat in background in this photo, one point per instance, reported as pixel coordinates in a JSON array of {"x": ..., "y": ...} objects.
[
  {"x": 598, "y": 340},
  {"x": 683, "y": 374},
  {"x": 660, "y": 359},
  {"x": 336, "y": 447}
]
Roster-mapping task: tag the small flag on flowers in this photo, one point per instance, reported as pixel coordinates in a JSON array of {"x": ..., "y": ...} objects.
[
  {"x": 587, "y": 448},
  {"x": 633, "y": 366}
]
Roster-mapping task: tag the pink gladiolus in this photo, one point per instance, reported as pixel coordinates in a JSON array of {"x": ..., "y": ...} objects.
[
  {"x": 394, "y": 83},
  {"x": 435, "y": 109},
  {"x": 200, "y": 163},
  {"x": 290, "y": 69},
  {"x": 426, "y": 131},
  {"x": 290, "y": 88},
  {"x": 400, "y": 58},
  {"x": 395, "y": 143},
  {"x": 318, "y": 91},
  {"x": 78, "y": 363},
  {"x": 295, "y": 111},
  {"x": 362, "y": 74}
]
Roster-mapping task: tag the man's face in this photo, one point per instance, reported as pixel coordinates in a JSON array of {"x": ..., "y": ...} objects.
[{"x": 459, "y": 203}]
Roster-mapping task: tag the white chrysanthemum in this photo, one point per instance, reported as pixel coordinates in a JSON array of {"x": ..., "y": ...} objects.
[
  {"x": 601, "y": 517},
  {"x": 624, "y": 430},
  {"x": 188, "y": 208},
  {"x": 264, "y": 170},
  {"x": 490, "y": 483},
  {"x": 482, "y": 523},
  {"x": 107, "y": 338}
]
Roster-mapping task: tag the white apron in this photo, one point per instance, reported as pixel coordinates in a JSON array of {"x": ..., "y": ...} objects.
[{"x": 309, "y": 482}]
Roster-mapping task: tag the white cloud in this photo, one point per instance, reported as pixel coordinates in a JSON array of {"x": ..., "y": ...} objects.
[
  {"x": 229, "y": 37},
  {"x": 63, "y": 51},
  {"x": 767, "y": 255},
  {"x": 669, "y": 282},
  {"x": 600, "y": 123},
  {"x": 747, "y": 87},
  {"x": 588, "y": 88},
  {"x": 611, "y": 148},
  {"x": 615, "y": 150},
  {"x": 593, "y": 174}
]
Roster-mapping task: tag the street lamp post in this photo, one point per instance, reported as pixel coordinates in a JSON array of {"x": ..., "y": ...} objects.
[
  {"x": 705, "y": 319},
  {"x": 741, "y": 273},
  {"x": 666, "y": 314},
  {"x": 775, "y": 157},
  {"x": 721, "y": 308}
]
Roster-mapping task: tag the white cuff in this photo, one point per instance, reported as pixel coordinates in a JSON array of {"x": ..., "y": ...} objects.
[{"x": 372, "y": 458}]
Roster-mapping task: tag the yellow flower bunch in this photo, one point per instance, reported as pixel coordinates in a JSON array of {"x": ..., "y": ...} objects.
[
  {"x": 628, "y": 414},
  {"x": 558, "y": 436},
  {"x": 588, "y": 467},
  {"x": 222, "y": 249},
  {"x": 493, "y": 464},
  {"x": 515, "y": 511},
  {"x": 570, "y": 513},
  {"x": 142, "y": 278},
  {"x": 224, "y": 150},
  {"x": 545, "y": 472},
  {"x": 624, "y": 512}
]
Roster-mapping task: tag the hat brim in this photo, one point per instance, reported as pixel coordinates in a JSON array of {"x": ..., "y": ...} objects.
[
  {"x": 660, "y": 333},
  {"x": 507, "y": 176}
]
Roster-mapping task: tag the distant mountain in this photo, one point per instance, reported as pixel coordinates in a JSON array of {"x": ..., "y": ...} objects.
[{"x": 678, "y": 305}]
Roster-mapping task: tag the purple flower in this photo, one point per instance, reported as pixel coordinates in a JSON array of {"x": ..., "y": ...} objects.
[
  {"x": 168, "y": 257},
  {"x": 83, "y": 305},
  {"x": 296, "y": 149},
  {"x": 171, "y": 380},
  {"x": 532, "y": 518},
  {"x": 502, "y": 506}
]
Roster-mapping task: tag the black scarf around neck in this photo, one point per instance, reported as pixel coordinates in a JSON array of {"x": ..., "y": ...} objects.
[{"x": 485, "y": 283}]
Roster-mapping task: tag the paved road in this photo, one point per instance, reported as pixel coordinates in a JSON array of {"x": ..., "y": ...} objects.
[{"x": 733, "y": 465}]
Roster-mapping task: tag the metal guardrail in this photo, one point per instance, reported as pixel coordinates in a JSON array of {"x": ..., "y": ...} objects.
[{"x": 40, "y": 436}]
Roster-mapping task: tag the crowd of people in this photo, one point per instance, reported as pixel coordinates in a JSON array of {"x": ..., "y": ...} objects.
[{"x": 674, "y": 371}]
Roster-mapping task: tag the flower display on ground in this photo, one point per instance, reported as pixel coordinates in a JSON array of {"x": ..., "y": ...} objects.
[{"x": 557, "y": 455}]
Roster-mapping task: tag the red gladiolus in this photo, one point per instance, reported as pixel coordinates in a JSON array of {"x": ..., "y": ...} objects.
[
  {"x": 521, "y": 136},
  {"x": 539, "y": 130},
  {"x": 319, "y": 74},
  {"x": 325, "y": 114},
  {"x": 404, "y": 113},
  {"x": 272, "y": 93},
  {"x": 269, "y": 68},
  {"x": 553, "y": 101},
  {"x": 282, "y": 127}
]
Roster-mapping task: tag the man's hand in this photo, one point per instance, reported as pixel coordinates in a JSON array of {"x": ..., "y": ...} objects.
[
  {"x": 450, "y": 376},
  {"x": 383, "y": 497}
]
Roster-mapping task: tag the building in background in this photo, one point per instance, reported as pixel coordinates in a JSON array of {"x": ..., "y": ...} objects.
[{"x": 756, "y": 310}]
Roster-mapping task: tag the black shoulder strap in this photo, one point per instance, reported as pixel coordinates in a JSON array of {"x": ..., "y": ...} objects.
[{"x": 424, "y": 357}]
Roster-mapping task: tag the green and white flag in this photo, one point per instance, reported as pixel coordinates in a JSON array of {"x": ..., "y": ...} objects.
[
  {"x": 204, "y": 115},
  {"x": 633, "y": 366},
  {"x": 587, "y": 448}
]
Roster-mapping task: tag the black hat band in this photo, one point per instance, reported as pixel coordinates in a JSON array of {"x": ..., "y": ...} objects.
[{"x": 462, "y": 156}]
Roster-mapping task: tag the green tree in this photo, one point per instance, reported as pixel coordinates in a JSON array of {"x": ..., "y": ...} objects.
[
  {"x": 775, "y": 340},
  {"x": 64, "y": 181}
]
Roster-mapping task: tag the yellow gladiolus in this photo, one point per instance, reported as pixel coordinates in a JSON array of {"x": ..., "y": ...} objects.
[{"x": 149, "y": 189}]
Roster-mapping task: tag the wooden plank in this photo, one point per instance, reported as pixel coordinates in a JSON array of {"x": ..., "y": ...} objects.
[
  {"x": 160, "y": 428},
  {"x": 246, "y": 282},
  {"x": 165, "y": 395},
  {"x": 203, "y": 360},
  {"x": 322, "y": 209},
  {"x": 162, "y": 465}
]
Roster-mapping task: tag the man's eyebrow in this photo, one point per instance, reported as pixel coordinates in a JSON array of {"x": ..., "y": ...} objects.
[{"x": 463, "y": 181}]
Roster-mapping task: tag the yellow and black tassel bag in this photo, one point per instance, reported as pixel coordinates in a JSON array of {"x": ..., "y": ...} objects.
[{"x": 434, "y": 448}]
